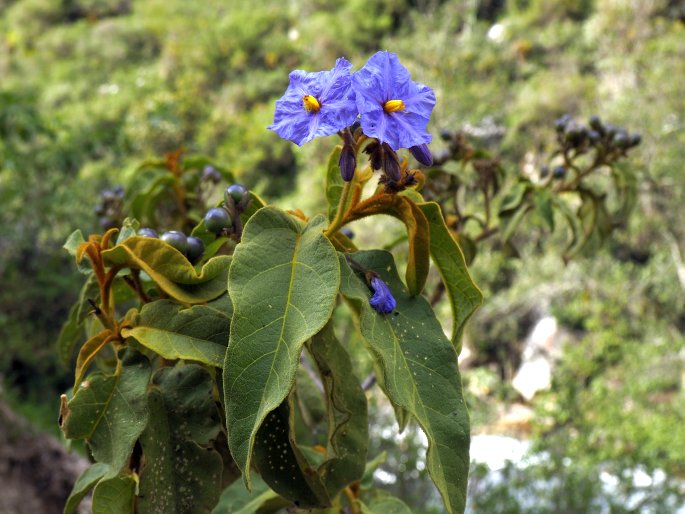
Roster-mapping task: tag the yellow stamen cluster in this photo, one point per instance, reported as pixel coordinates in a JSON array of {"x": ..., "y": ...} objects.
[
  {"x": 311, "y": 104},
  {"x": 393, "y": 106}
]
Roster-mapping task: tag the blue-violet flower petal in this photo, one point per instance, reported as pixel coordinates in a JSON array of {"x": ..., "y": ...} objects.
[
  {"x": 315, "y": 104},
  {"x": 392, "y": 108}
]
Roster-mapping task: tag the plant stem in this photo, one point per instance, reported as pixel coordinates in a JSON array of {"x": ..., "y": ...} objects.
[{"x": 339, "y": 219}]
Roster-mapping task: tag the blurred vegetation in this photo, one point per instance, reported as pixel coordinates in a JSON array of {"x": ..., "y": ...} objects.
[{"x": 92, "y": 87}]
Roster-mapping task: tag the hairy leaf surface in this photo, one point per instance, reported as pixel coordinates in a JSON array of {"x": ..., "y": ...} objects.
[
  {"x": 419, "y": 367},
  {"x": 170, "y": 270},
  {"x": 283, "y": 283},
  {"x": 463, "y": 294},
  {"x": 199, "y": 333},
  {"x": 110, "y": 411},
  {"x": 114, "y": 495},
  {"x": 180, "y": 475}
]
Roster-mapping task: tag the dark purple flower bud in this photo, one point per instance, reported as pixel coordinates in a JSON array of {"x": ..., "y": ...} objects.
[
  {"x": 422, "y": 154},
  {"x": 382, "y": 299},
  {"x": 347, "y": 163},
  {"x": 390, "y": 163}
]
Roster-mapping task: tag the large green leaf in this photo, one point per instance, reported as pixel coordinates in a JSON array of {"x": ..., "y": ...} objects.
[
  {"x": 199, "y": 333},
  {"x": 180, "y": 475},
  {"x": 463, "y": 294},
  {"x": 85, "y": 483},
  {"x": 420, "y": 373},
  {"x": 385, "y": 505},
  {"x": 283, "y": 283},
  {"x": 109, "y": 411},
  {"x": 348, "y": 435},
  {"x": 170, "y": 270},
  {"x": 115, "y": 496},
  {"x": 236, "y": 499}
]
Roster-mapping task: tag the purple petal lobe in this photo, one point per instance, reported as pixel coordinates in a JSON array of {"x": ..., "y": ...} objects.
[{"x": 382, "y": 299}]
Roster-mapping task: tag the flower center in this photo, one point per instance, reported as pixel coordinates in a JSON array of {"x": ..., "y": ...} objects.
[
  {"x": 310, "y": 103},
  {"x": 393, "y": 106}
]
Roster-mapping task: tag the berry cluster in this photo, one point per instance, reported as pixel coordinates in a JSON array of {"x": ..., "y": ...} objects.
[
  {"x": 602, "y": 136},
  {"x": 190, "y": 246},
  {"x": 110, "y": 208},
  {"x": 224, "y": 220}
]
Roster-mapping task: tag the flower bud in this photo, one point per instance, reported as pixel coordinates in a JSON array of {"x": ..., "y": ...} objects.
[
  {"x": 382, "y": 299},
  {"x": 422, "y": 154},
  {"x": 390, "y": 163},
  {"x": 347, "y": 162}
]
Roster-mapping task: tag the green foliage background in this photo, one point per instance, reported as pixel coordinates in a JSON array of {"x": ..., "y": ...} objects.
[{"x": 91, "y": 87}]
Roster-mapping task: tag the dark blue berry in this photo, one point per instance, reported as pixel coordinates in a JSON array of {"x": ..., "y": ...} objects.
[
  {"x": 176, "y": 239},
  {"x": 235, "y": 191},
  {"x": 217, "y": 219},
  {"x": 195, "y": 249},
  {"x": 148, "y": 232},
  {"x": 559, "y": 172}
]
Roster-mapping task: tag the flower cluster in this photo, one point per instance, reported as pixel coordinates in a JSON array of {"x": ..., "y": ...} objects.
[{"x": 389, "y": 106}]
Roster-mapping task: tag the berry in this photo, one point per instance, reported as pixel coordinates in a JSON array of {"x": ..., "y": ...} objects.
[
  {"x": 561, "y": 123},
  {"x": 596, "y": 124},
  {"x": 445, "y": 135},
  {"x": 195, "y": 249},
  {"x": 635, "y": 139},
  {"x": 210, "y": 174},
  {"x": 575, "y": 134},
  {"x": 544, "y": 171},
  {"x": 176, "y": 239},
  {"x": 559, "y": 172},
  {"x": 235, "y": 191},
  {"x": 217, "y": 219},
  {"x": 148, "y": 232},
  {"x": 621, "y": 140},
  {"x": 594, "y": 136}
]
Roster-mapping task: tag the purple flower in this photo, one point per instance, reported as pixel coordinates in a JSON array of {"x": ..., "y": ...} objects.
[
  {"x": 393, "y": 108},
  {"x": 315, "y": 104},
  {"x": 382, "y": 299}
]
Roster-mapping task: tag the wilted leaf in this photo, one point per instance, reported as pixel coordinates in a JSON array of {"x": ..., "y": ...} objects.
[
  {"x": 283, "y": 282},
  {"x": 170, "y": 270},
  {"x": 419, "y": 365}
]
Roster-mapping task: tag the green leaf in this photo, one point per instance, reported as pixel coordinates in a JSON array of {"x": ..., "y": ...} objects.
[
  {"x": 128, "y": 229},
  {"x": 180, "y": 475},
  {"x": 370, "y": 469},
  {"x": 542, "y": 200},
  {"x": 236, "y": 499},
  {"x": 334, "y": 182},
  {"x": 419, "y": 366},
  {"x": 463, "y": 294},
  {"x": 199, "y": 333},
  {"x": 288, "y": 469},
  {"x": 71, "y": 245},
  {"x": 509, "y": 221},
  {"x": 114, "y": 495},
  {"x": 109, "y": 411},
  {"x": 514, "y": 197},
  {"x": 385, "y": 505},
  {"x": 170, "y": 270},
  {"x": 348, "y": 433},
  {"x": 283, "y": 282},
  {"x": 85, "y": 483}
]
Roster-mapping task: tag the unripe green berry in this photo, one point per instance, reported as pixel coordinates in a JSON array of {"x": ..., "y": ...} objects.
[
  {"x": 176, "y": 239},
  {"x": 148, "y": 232},
  {"x": 217, "y": 219},
  {"x": 195, "y": 249}
]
